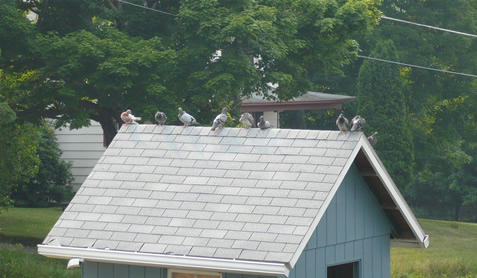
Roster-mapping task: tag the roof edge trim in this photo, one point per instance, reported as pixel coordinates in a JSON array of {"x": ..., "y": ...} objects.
[
  {"x": 169, "y": 261},
  {"x": 393, "y": 191},
  {"x": 327, "y": 202}
]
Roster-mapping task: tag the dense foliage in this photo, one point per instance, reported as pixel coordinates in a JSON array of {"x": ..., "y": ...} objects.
[
  {"x": 381, "y": 99},
  {"x": 18, "y": 158},
  {"x": 52, "y": 184}
]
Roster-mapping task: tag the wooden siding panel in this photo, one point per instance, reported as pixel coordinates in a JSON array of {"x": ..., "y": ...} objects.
[
  {"x": 349, "y": 251},
  {"x": 106, "y": 270},
  {"x": 341, "y": 214},
  {"x": 386, "y": 256},
  {"x": 310, "y": 264},
  {"x": 136, "y": 271},
  {"x": 368, "y": 258},
  {"x": 350, "y": 209},
  {"x": 331, "y": 226},
  {"x": 121, "y": 271},
  {"x": 90, "y": 269}
]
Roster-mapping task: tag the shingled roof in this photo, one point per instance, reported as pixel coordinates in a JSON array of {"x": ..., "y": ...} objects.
[{"x": 247, "y": 198}]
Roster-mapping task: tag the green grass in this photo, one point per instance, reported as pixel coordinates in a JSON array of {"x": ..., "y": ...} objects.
[
  {"x": 26, "y": 225},
  {"x": 452, "y": 252},
  {"x": 18, "y": 263}
]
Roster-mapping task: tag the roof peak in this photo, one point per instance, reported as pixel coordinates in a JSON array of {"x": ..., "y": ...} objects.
[{"x": 243, "y": 132}]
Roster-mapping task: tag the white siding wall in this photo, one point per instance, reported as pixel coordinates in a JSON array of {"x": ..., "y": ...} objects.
[{"x": 83, "y": 147}]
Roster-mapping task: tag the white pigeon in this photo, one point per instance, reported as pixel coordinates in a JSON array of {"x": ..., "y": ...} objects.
[
  {"x": 247, "y": 120},
  {"x": 357, "y": 123},
  {"x": 186, "y": 118},
  {"x": 373, "y": 139},
  {"x": 129, "y": 118},
  {"x": 160, "y": 117},
  {"x": 220, "y": 120},
  {"x": 342, "y": 123},
  {"x": 262, "y": 124}
]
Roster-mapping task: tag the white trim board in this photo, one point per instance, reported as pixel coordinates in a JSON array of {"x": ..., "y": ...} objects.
[{"x": 167, "y": 261}]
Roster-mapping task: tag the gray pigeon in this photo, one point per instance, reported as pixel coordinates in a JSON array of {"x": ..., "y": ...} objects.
[
  {"x": 129, "y": 118},
  {"x": 262, "y": 124},
  {"x": 247, "y": 120},
  {"x": 220, "y": 120},
  {"x": 357, "y": 123},
  {"x": 373, "y": 139},
  {"x": 161, "y": 118},
  {"x": 342, "y": 123},
  {"x": 186, "y": 118}
]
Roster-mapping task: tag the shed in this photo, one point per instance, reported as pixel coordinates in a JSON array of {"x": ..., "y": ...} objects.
[{"x": 236, "y": 203}]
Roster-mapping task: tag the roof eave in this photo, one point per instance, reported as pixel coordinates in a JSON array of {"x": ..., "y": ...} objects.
[
  {"x": 421, "y": 239},
  {"x": 167, "y": 261}
]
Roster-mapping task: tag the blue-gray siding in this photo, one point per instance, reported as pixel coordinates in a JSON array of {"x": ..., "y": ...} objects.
[{"x": 353, "y": 229}]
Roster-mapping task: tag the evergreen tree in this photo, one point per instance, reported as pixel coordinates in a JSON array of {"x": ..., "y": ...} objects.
[{"x": 382, "y": 103}]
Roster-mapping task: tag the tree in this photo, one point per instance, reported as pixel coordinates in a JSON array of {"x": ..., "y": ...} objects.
[
  {"x": 19, "y": 160},
  {"x": 381, "y": 102},
  {"x": 52, "y": 183},
  {"x": 211, "y": 54}
]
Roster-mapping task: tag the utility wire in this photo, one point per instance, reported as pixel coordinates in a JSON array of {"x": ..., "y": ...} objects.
[
  {"x": 419, "y": 67},
  {"x": 147, "y": 8},
  {"x": 429, "y": 26}
]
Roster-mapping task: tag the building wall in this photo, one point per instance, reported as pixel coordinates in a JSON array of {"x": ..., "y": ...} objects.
[
  {"x": 353, "y": 229},
  {"x": 108, "y": 270},
  {"x": 83, "y": 147}
]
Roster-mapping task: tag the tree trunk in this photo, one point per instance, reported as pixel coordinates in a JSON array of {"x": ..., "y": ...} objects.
[
  {"x": 457, "y": 212},
  {"x": 109, "y": 130}
]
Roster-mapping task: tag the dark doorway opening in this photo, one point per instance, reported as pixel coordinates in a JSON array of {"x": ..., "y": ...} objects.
[{"x": 349, "y": 270}]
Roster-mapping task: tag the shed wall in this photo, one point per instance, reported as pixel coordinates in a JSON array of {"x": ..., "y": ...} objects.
[{"x": 354, "y": 228}]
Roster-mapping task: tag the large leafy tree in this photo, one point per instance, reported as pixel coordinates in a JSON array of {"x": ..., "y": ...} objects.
[
  {"x": 381, "y": 102},
  {"x": 208, "y": 56}
]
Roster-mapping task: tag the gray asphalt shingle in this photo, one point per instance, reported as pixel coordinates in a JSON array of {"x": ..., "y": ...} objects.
[{"x": 245, "y": 194}]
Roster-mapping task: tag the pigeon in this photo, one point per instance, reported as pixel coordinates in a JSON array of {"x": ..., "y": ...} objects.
[
  {"x": 247, "y": 120},
  {"x": 128, "y": 118},
  {"x": 373, "y": 139},
  {"x": 186, "y": 118},
  {"x": 357, "y": 123},
  {"x": 220, "y": 120},
  {"x": 161, "y": 118},
  {"x": 262, "y": 124},
  {"x": 342, "y": 123}
]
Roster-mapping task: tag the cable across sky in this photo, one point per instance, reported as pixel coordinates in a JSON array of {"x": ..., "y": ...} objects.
[
  {"x": 147, "y": 8},
  {"x": 429, "y": 26},
  {"x": 416, "y": 66}
]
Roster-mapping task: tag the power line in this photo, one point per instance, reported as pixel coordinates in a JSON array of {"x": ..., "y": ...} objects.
[
  {"x": 147, "y": 8},
  {"x": 419, "y": 67},
  {"x": 428, "y": 26}
]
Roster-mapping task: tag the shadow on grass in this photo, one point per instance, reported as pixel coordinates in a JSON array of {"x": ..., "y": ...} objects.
[{"x": 25, "y": 241}]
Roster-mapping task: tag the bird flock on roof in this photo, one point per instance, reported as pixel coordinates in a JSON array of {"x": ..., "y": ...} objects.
[
  {"x": 356, "y": 124},
  {"x": 247, "y": 120}
]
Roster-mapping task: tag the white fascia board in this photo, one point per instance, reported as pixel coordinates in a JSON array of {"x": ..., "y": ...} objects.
[
  {"x": 166, "y": 261},
  {"x": 325, "y": 204},
  {"x": 393, "y": 191}
]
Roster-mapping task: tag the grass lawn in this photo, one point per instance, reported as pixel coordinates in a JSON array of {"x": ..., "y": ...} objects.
[
  {"x": 452, "y": 252},
  {"x": 26, "y": 225}
]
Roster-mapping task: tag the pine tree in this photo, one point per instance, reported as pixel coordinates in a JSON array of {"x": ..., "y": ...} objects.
[{"x": 381, "y": 102}]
